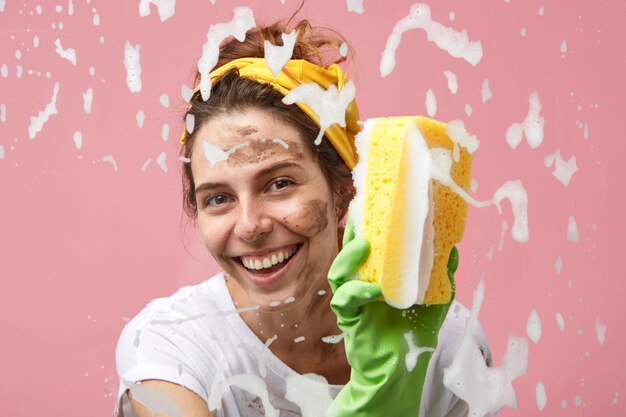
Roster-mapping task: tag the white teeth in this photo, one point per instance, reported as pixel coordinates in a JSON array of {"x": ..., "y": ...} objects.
[{"x": 267, "y": 262}]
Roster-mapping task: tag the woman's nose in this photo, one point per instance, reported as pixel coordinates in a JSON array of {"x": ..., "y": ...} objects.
[{"x": 253, "y": 221}]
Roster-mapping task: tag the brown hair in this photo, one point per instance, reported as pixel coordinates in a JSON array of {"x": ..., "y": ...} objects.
[{"x": 232, "y": 93}]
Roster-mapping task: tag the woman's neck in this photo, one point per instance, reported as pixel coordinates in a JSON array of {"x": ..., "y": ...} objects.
[{"x": 302, "y": 333}]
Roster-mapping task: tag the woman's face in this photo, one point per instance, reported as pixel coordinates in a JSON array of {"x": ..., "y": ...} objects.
[{"x": 265, "y": 210}]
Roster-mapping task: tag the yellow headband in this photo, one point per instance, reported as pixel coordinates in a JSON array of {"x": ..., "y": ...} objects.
[{"x": 294, "y": 73}]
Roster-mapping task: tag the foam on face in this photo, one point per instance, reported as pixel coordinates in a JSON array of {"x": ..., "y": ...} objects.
[
  {"x": 243, "y": 20},
  {"x": 37, "y": 122},
  {"x": 69, "y": 53},
  {"x": 166, "y": 8},
  {"x": 485, "y": 389},
  {"x": 452, "y": 82},
  {"x": 154, "y": 399},
  {"x": 87, "y": 100},
  {"x": 457, "y": 44},
  {"x": 329, "y": 105},
  {"x": 215, "y": 154},
  {"x": 133, "y": 67},
  {"x": 533, "y": 326},
  {"x": 333, "y": 339},
  {"x": 563, "y": 171},
  {"x": 277, "y": 56},
  {"x": 431, "y": 103}
]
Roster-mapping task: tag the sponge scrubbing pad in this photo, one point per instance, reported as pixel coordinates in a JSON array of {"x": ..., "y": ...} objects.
[{"x": 411, "y": 221}]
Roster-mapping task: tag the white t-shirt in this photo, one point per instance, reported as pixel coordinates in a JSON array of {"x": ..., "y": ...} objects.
[{"x": 196, "y": 339}]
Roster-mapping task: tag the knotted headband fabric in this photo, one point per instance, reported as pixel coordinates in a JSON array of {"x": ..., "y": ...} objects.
[{"x": 294, "y": 73}]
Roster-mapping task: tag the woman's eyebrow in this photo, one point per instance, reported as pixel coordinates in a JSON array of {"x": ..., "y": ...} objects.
[{"x": 205, "y": 186}]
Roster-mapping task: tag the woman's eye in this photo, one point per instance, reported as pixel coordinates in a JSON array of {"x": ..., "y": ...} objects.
[
  {"x": 280, "y": 184},
  {"x": 216, "y": 200}
]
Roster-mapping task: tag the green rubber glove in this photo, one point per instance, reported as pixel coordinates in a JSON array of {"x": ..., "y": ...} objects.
[{"x": 388, "y": 349}]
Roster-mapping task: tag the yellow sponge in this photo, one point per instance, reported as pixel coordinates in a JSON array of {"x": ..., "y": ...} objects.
[{"x": 411, "y": 220}]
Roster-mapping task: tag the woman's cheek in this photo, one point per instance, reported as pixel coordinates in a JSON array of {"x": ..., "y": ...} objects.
[{"x": 309, "y": 218}]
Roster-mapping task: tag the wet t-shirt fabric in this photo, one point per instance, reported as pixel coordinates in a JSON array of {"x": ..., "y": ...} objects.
[{"x": 196, "y": 339}]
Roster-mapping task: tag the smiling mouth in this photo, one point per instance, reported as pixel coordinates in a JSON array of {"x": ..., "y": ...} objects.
[{"x": 265, "y": 265}]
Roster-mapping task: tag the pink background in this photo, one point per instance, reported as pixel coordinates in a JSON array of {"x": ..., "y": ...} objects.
[{"x": 83, "y": 248}]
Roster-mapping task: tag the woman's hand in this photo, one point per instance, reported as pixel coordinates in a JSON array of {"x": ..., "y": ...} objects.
[{"x": 388, "y": 349}]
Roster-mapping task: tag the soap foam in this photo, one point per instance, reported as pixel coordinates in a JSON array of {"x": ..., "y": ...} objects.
[
  {"x": 310, "y": 392},
  {"x": 164, "y": 99},
  {"x": 531, "y": 127},
  {"x": 153, "y": 398},
  {"x": 166, "y": 8},
  {"x": 186, "y": 93},
  {"x": 37, "y": 122},
  {"x": 215, "y": 154},
  {"x": 87, "y": 100},
  {"x": 69, "y": 53},
  {"x": 560, "y": 322},
  {"x": 161, "y": 161},
  {"x": 243, "y": 20},
  {"x": 485, "y": 389},
  {"x": 533, "y": 326},
  {"x": 277, "y": 56},
  {"x": 254, "y": 384},
  {"x": 190, "y": 122},
  {"x": 111, "y": 160},
  {"x": 558, "y": 265},
  {"x": 141, "y": 116},
  {"x": 572, "y": 229},
  {"x": 457, "y": 44},
  {"x": 133, "y": 67},
  {"x": 431, "y": 103},
  {"x": 600, "y": 332},
  {"x": 355, "y": 6},
  {"x": 455, "y": 129},
  {"x": 165, "y": 132},
  {"x": 3, "y": 112},
  {"x": 540, "y": 396},
  {"x": 486, "y": 91},
  {"x": 78, "y": 139},
  {"x": 563, "y": 171},
  {"x": 410, "y": 360},
  {"x": 452, "y": 82},
  {"x": 329, "y": 105}
]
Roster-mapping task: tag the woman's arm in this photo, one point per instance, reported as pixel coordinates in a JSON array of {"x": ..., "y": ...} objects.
[{"x": 189, "y": 403}]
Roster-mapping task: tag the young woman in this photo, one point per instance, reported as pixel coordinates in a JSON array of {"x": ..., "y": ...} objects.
[{"x": 261, "y": 337}]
